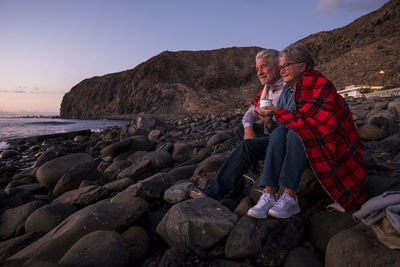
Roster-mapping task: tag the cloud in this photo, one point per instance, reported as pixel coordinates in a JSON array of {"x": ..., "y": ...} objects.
[
  {"x": 334, "y": 6},
  {"x": 19, "y": 92}
]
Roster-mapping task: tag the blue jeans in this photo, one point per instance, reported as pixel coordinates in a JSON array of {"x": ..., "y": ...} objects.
[
  {"x": 241, "y": 159},
  {"x": 285, "y": 160}
]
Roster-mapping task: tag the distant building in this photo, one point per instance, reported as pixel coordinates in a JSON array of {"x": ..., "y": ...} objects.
[{"x": 355, "y": 90}]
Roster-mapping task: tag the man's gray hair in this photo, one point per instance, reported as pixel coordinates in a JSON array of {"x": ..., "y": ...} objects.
[
  {"x": 298, "y": 52},
  {"x": 271, "y": 54}
]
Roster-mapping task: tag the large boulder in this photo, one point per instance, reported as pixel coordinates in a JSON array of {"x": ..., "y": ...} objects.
[
  {"x": 200, "y": 222},
  {"x": 264, "y": 242},
  {"x": 98, "y": 248},
  {"x": 371, "y": 132},
  {"x": 12, "y": 221},
  {"x": 49, "y": 216},
  {"x": 138, "y": 171},
  {"x": 83, "y": 196},
  {"x": 359, "y": 246},
  {"x": 320, "y": 227},
  {"x": 74, "y": 176},
  {"x": 49, "y": 173},
  {"x": 211, "y": 164},
  {"x": 13, "y": 245},
  {"x": 107, "y": 214},
  {"x": 137, "y": 241}
]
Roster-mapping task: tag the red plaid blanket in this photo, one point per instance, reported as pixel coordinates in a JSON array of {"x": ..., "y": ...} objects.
[{"x": 325, "y": 124}]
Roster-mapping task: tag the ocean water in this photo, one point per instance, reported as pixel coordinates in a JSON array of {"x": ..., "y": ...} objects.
[{"x": 23, "y": 127}]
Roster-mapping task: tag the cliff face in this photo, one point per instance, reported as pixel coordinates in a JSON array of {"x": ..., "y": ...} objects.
[
  {"x": 223, "y": 80},
  {"x": 356, "y": 53},
  {"x": 170, "y": 83}
]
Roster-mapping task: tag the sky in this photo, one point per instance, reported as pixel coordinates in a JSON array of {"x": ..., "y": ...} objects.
[{"x": 49, "y": 46}]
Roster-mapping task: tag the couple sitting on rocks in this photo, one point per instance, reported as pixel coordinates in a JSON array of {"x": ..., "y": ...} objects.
[{"x": 308, "y": 121}]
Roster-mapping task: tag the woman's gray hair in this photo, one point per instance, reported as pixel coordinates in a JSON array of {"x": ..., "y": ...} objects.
[
  {"x": 271, "y": 54},
  {"x": 298, "y": 52}
]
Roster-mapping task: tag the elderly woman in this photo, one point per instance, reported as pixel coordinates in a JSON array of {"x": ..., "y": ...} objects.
[{"x": 318, "y": 125}]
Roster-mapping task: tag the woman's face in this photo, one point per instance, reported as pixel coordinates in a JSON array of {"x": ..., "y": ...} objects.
[{"x": 291, "y": 71}]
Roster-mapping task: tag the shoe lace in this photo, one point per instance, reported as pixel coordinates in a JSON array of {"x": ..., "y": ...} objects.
[
  {"x": 265, "y": 200},
  {"x": 284, "y": 200}
]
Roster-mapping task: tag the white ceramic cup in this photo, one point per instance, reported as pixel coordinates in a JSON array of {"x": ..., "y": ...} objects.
[{"x": 265, "y": 103}]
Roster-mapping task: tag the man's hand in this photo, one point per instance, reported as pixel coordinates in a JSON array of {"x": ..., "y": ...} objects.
[
  {"x": 249, "y": 133},
  {"x": 266, "y": 114}
]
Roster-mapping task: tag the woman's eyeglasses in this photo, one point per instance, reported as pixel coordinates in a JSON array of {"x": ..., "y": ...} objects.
[{"x": 286, "y": 65}]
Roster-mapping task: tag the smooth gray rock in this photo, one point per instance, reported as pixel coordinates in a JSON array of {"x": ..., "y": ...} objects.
[
  {"x": 137, "y": 242},
  {"x": 382, "y": 118},
  {"x": 265, "y": 242},
  {"x": 98, "y": 248},
  {"x": 138, "y": 171},
  {"x": 118, "y": 185},
  {"x": 181, "y": 173},
  {"x": 198, "y": 222},
  {"x": 116, "y": 148},
  {"x": 394, "y": 106},
  {"x": 160, "y": 159},
  {"x": 358, "y": 246},
  {"x": 49, "y": 173},
  {"x": 371, "y": 132},
  {"x": 75, "y": 175},
  {"x": 45, "y": 157},
  {"x": 12, "y": 221},
  {"x": 112, "y": 171},
  {"x": 49, "y": 216},
  {"x": 104, "y": 215},
  {"x": 83, "y": 196},
  {"x": 178, "y": 192},
  {"x": 13, "y": 245},
  {"x": 31, "y": 172},
  {"x": 320, "y": 227},
  {"x": 8, "y": 154},
  {"x": 211, "y": 164},
  {"x": 218, "y": 138},
  {"x": 186, "y": 149}
]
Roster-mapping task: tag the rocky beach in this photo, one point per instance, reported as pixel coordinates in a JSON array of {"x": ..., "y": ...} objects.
[{"x": 120, "y": 198}]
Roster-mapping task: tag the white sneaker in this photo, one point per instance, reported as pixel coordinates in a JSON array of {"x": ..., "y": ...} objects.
[
  {"x": 285, "y": 207},
  {"x": 260, "y": 210}
]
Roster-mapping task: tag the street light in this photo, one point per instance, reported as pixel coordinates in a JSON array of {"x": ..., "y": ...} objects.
[{"x": 383, "y": 77}]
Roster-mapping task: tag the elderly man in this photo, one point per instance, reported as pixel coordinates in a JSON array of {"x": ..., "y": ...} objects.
[{"x": 253, "y": 136}]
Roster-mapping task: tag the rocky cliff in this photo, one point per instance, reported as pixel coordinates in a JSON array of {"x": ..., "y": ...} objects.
[
  {"x": 356, "y": 53},
  {"x": 169, "y": 83},
  {"x": 223, "y": 80}
]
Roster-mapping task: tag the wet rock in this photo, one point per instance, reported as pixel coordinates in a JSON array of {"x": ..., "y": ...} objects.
[
  {"x": 137, "y": 242},
  {"x": 98, "y": 248},
  {"x": 75, "y": 175},
  {"x": 358, "y": 246},
  {"x": 83, "y": 196},
  {"x": 12, "y": 221},
  {"x": 266, "y": 242},
  {"x": 49, "y": 216},
  {"x": 49, "y": 173},
  {"x": 104, "y": 215},
  {"x": 198, "y": 222}
]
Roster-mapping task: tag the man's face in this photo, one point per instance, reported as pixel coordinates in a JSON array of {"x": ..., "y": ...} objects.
[{"x": 266, "y": 72}]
